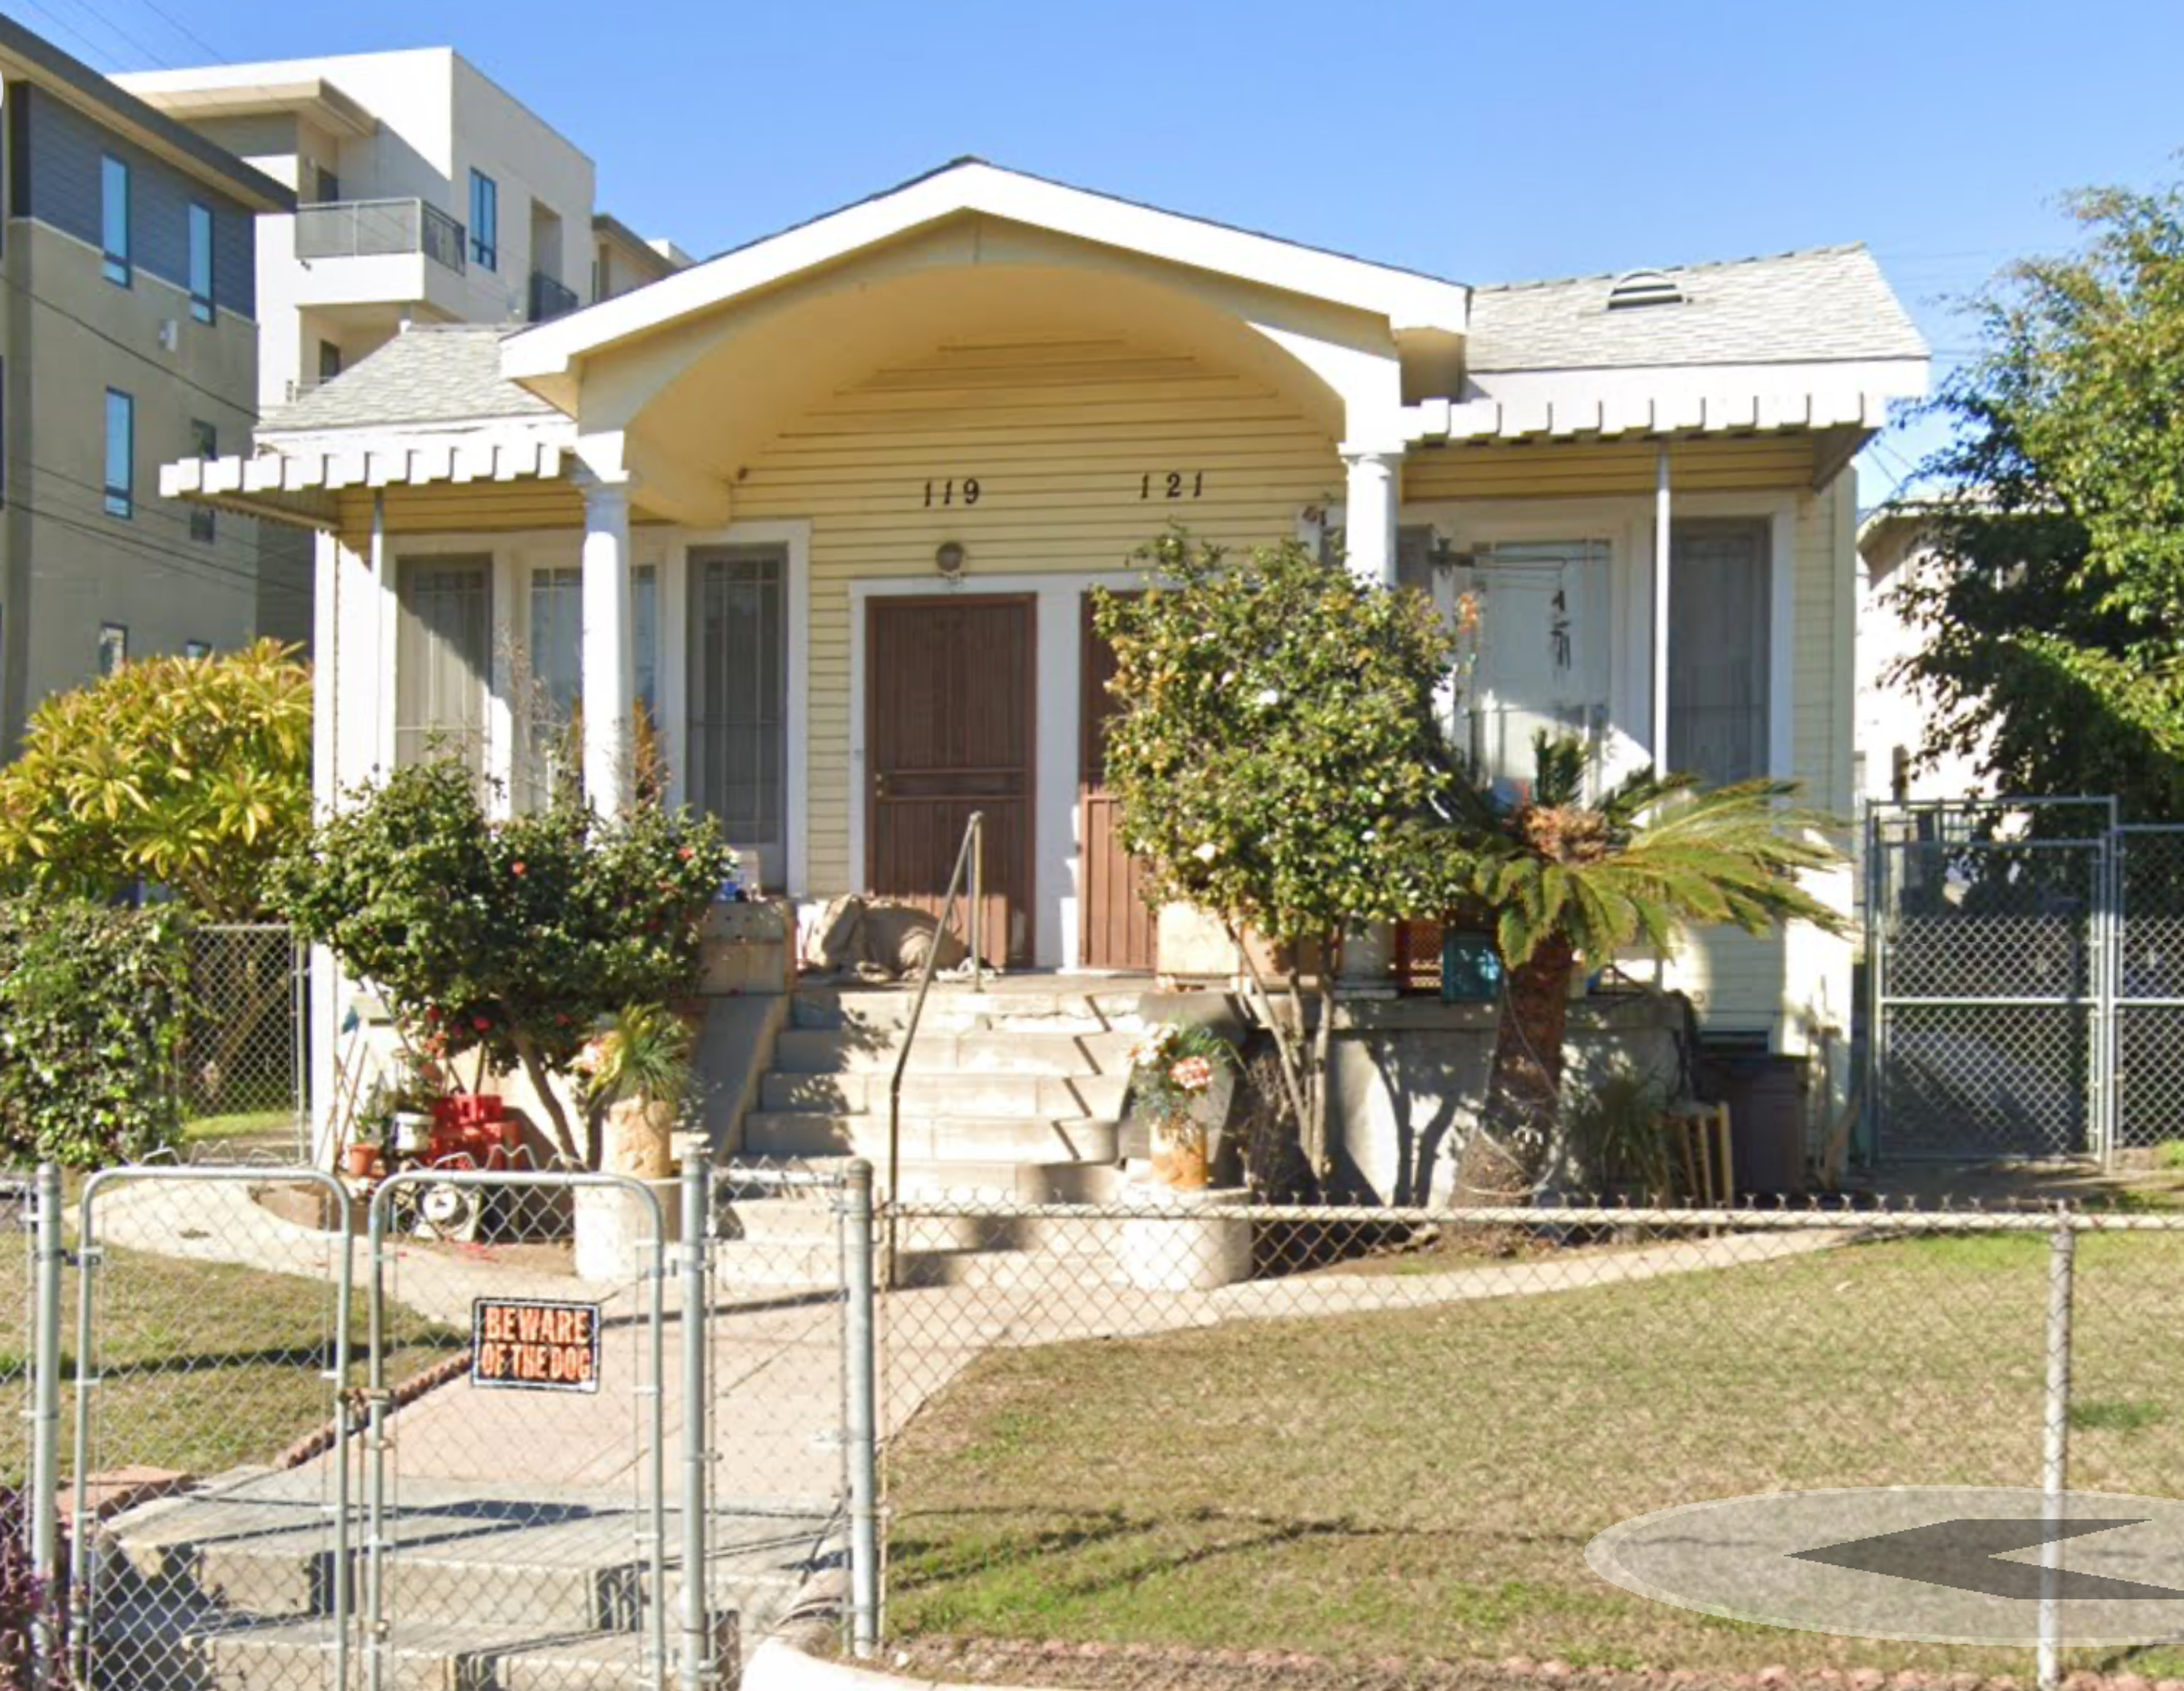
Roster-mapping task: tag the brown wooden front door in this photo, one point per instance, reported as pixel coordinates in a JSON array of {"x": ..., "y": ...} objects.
[
  {"x": 950, "y": 715},
  {"x": 1119, "y": 927}
]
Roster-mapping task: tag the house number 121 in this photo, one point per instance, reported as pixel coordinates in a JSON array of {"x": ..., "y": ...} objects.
[{"x": 1176, "y": 484}]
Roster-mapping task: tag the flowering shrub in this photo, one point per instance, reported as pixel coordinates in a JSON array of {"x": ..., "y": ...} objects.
[
  {"x": 1172, "y": 1067},
  {"x": 515, "y": 937},
  {"x": 92, "y": 1008}
]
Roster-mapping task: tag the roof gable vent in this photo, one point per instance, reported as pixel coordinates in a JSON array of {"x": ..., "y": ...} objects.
[{"x": 1635, "y": 288}]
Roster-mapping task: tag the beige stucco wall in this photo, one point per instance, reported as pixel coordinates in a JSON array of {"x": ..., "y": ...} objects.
[{"x": 70, "y": 567}]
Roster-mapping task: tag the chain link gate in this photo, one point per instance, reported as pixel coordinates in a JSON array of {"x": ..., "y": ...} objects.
[
  {"x": 1992, "y": 959},
  {"x": 516, "y": 1442},
  {"x": 2148, "y": 1039},
  {"x": 208, "y": 1487}
]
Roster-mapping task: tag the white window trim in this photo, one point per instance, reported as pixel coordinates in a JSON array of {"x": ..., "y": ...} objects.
[
  {"x": 516, "y": 554},
  {"x": 1626, "y": 524}
]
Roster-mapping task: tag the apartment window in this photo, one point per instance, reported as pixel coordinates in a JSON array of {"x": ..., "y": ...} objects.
[
  {"x": 330, "y": 361},
  {"x": 113, "y": 648},
  {"x": 204, "y": 443},
  {"x": 1720, "y": 618},
  {"x": 120, "y": 454},
  {"x": 485, "y": 220},
  {"x": 197, "y": 648},
  {"x": 329, "y": 187},
  {"x": 201, "y": 263},
  {"x": 114, "y": 217}
]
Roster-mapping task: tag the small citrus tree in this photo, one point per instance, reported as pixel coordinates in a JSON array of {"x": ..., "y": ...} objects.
[
  {"x": 1276, "y": 759},
  {"x": 513, "y": 938},
  {"x": 191, "y": 773}
]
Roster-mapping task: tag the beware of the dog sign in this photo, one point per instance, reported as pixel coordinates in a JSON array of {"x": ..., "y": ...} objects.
[{"x": 531, "y": 1344}]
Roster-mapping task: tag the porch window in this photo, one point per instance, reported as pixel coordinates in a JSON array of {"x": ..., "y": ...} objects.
[
  {"x": 1720, "y": 598},
  {"x": 738, "y": 697},
  {"x": 1540, "y": 657},
  {"x": 443, "y": 659},
  {"x": 555, "y": 657}
]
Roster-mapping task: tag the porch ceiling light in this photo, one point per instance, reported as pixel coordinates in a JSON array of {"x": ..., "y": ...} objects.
[{"x": 949, "y": 558}]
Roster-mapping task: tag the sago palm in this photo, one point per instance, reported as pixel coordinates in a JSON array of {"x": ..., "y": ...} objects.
[{"x": 1560, "y": 883}]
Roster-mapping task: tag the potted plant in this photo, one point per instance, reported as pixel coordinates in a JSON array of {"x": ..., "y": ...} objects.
[
  {"x": 1173, "y": 1068},
  {"x": 638, "y": 1074}
]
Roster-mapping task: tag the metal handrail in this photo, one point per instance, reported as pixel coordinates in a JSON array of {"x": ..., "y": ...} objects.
[{"x": 971, "y": 856}]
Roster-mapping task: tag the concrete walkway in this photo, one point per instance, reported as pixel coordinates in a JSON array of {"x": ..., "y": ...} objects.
[{"x": 775, "y": 1356}]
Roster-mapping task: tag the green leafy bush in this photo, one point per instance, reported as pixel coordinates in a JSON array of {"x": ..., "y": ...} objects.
[
  {"x": 193, "y": 773},
  {"x": 93, "y": 1003},
  {"x": 513, "y": 937}
]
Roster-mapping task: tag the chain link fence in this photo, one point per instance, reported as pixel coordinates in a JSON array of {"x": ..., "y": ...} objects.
[
  {"x": 242, "y": 1067},
  {"x": 1367, "y": 1434},
  {"x": 500, "y": 1428}
]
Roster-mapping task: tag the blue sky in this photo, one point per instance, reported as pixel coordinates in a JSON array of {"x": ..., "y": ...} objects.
[{"x": 1485, "y": 143}]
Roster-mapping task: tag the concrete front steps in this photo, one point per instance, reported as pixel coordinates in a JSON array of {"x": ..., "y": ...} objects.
[
  {"x": 235, "y": 1589},
  {"x": 1014, "y": 1093}
]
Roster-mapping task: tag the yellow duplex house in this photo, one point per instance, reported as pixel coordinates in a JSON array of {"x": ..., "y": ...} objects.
[{"x": 829, "y": 507}]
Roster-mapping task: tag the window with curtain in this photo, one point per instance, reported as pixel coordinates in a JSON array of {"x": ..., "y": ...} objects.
[
  {"x": 1720, "y": 622},
  {"x": 739, "y": 698},
  {"x": 555, "y": 653},
  {"x": 443, "y": 658}
]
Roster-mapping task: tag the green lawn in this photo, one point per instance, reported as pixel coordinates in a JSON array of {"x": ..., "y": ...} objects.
[
  {"x": 244, "y": 1124},
  {"x": 1422, "y": 1483},
  {"x": 203, "y": 1366}
]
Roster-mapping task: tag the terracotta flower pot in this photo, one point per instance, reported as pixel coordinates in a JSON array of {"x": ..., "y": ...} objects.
[
  {"x": 362, "y": 1162},
  {"x": 1179, "y": 1156},
  {"x": 640, "y": 1139}
]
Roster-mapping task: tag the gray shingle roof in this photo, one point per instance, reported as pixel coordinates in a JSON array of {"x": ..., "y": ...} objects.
[
  {"x": 428, "y": 374},
  {"x": 1829, "y": 302}
]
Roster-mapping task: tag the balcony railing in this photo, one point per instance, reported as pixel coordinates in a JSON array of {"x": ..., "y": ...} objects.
[
  {"x": 361, "y": 229},
  {"x": 550, "y": 297}
]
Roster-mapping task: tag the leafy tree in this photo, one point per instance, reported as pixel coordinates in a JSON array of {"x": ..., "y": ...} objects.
[
  {"x": 93, "y": 1002},
  {"x": 1561, "y": 884},
  {"x": 1276, "y": 757},
  {"x": 194, "y": 773},
  {"x": 511, "y": 938},
  {"x": 2054, "y": 650}
]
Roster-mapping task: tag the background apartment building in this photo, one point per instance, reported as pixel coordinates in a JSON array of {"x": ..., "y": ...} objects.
[
  {"x": 128, "y": 337},
  {"x": 425, "y": 194}
]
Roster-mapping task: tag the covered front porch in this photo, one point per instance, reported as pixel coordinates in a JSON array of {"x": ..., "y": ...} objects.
[{"x": 808, "y": 534}]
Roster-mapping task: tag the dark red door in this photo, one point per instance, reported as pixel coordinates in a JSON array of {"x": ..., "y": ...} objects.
[
  {"x": 949, "y": 729},
  {"x": 1119, "y": 928}
]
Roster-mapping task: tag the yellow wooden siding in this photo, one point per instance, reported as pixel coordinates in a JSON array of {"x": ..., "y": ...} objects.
[
  {"x": 1059, "y": 434},
  {"x": 463, "y": 508},
  {"x": 1577, "y": 469}
]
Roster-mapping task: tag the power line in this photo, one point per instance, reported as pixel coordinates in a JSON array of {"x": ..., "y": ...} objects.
[
  {"x": 212, "y": 571},
  {"x": 244, "y": 407},
  {"x": 127, "y": 39},
  {"x": 184, "y": 29}
]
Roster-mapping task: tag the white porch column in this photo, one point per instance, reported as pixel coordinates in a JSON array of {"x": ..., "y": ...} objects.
[
  {"x": 1369, "y": 523},
  {"x": 1664, "y": 532},
  {"x": 610, "y": 674},
  {"x": 1368, "y": 533}
]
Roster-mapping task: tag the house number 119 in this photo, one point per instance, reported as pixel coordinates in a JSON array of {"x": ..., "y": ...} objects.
[{"x": 949, "y": 492}]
